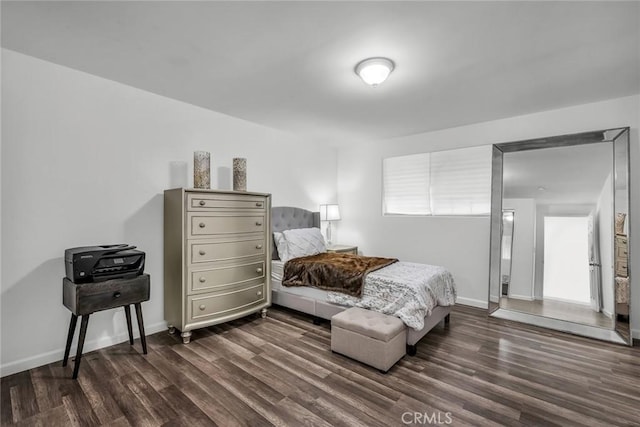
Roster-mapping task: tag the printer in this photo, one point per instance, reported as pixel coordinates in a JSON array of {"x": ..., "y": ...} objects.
[{"x": 98, "y": 263}]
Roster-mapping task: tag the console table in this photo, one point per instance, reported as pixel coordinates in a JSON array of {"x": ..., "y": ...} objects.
[{"x": 87, "y": 298}]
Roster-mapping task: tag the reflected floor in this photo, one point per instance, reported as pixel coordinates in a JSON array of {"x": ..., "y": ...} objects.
[{"x": 561, "y": 310}]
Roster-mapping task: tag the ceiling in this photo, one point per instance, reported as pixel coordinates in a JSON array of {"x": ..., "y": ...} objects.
[
  {"x": 289, "y": 65},
  {"x": 567, "y": 175}
]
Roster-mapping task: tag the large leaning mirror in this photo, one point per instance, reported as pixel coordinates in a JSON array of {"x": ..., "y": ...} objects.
[{"x": 560, "y": 232}]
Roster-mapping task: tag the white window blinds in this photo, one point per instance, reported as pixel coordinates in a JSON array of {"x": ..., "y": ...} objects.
[
  {"x": 453, "y": 182},
  {"x": 461, "y": 181},
  {"x": 406, "y": 185}
]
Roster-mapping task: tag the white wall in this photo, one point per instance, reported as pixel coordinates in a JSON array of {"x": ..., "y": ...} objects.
[
  {"x": 603, "y": 226},
  {"x": 85, "y": 161},
  {"x": 462, "y": 243},
  {"x": 521, "y": 285}
]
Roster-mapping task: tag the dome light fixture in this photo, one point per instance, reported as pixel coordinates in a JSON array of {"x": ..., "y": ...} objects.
[{"x": 374, "y": 71}]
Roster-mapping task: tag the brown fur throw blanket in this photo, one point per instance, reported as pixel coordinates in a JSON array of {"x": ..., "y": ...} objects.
[{"x": 332, "y": 271}]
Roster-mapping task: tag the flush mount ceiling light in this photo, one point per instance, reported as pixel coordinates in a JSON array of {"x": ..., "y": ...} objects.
[{"x": 374, "y": 71}]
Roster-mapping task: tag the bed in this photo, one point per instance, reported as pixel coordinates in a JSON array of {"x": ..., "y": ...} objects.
[{"x": 317, "y": 302}]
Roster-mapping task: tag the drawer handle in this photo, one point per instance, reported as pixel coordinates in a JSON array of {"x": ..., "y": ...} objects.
[
  {"x": 203, "y": 279},
  {"x": 202, "y": 307},
  {"x": 258, "y": 246},
  {"x": 259, "y": 293},
  {"x": 117, "y": 295},
  {"x": 259, "y": 270},
  {"x": 202, "y": 203},
  {"x": 258, "y": 223},
  {"x": 202, "y": 225},
  {"x": 259, "y": 204},
  {"x": 202, "y": 252}
]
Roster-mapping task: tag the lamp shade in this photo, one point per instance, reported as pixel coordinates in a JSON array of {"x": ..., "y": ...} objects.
[{"x": 329, "y": 213}]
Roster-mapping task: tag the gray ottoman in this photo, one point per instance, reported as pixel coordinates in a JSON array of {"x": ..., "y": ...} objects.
[{"x": 369, "y": 337}]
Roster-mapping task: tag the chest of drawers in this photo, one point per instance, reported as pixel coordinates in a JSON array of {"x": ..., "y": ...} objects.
[
  {"x": 216, "y": 257},
  {"x": 621, "y": 259}
]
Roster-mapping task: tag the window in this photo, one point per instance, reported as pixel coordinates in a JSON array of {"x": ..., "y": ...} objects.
[
  {"x": 453, "y": 182},
  {"x": 406, "y": 185}
]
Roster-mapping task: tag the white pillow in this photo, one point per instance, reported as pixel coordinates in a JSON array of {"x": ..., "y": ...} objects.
[
  {"x": 300, "y": 242},
  {"x": 281, "y": 245}
]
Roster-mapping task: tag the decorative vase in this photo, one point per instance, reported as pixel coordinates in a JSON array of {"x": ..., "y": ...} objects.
[
  {"x": 201, "y": 169},
  {"x": 239, "y": 174}
]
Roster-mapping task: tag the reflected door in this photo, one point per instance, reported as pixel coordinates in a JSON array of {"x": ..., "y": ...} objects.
[
  {"x": 566, "y": 259},
  {"x": 595, "y": 272}
]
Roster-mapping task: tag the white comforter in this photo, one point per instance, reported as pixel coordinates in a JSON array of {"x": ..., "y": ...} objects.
[{"x": 403, "y": 289}]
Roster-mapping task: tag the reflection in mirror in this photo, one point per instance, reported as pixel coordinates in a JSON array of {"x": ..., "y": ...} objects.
[
  {"x": 564, "y": 265},
  {"x": 621, "y": 230},
  {"x": 507, "y": 238}
]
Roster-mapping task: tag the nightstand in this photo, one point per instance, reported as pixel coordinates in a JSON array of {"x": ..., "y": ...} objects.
[
  {"x": 87, "y": 298},
  {"x": 343, "y": 249}
]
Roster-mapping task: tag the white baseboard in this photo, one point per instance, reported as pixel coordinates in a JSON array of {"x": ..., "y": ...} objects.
[
  {"x": 606, "y": 313},
  {"x": 472, "y": 302},
  {"x": 522, "y": 297},
  {"x": 635, "y": 333},
  {"x": 570, "y": 301},
  {"x": 57, "y": 355}
]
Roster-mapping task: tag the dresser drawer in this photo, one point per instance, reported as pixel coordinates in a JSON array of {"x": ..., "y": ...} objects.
[
  {"x": 621, "y": 268},
  {"x": 621, "y": 246},
  {"x": 219, "y": 251},
  {"x": 205, "y": 202},
  {"x": 621, "y": 240},
  {"x": 201, "y": 307},
  {"x": 622, "y": 251},
  {"x": 91, "y": 297},
  {"x": 202, "y": 226},
  {"x": 223, "y": 277}
]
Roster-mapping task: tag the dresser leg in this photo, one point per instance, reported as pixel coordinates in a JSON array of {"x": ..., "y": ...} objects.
[
  {"x": 83, "y": 332},
  {"x": 72, "y": 331},
  {"x": 172, "y": 329},
  {"x": 127, "y": 313},
  {"x": 263, "y": 313},
  {"x": 186, "y": 337},
  {"x": 143, "y": 338}
]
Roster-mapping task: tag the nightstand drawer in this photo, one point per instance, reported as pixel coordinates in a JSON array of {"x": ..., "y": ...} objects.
[
  {"x": 219, "y": 251},
  {"x": 88, "y": 298},
  {"x": 201, "y": 307},
  {"x": 223, "y": 277},
  {"x": 202, "y": 226},
  {"x": 205, "y": 202}
]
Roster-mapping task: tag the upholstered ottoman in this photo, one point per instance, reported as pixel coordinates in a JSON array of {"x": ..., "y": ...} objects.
[{"x": 369, "y": 337}]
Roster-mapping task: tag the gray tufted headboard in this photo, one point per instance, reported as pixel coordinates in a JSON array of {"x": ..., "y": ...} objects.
[{"x": 287, "y": 218}]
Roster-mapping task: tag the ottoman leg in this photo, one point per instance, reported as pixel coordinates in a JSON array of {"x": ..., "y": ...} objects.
[{"x": 412, "y": 349}]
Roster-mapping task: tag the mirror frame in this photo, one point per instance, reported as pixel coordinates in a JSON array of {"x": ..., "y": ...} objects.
[{"x": 622, "y": 331}]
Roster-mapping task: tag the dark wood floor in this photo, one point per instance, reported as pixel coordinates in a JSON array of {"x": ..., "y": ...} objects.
[{"x": 280, "y": 370}]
